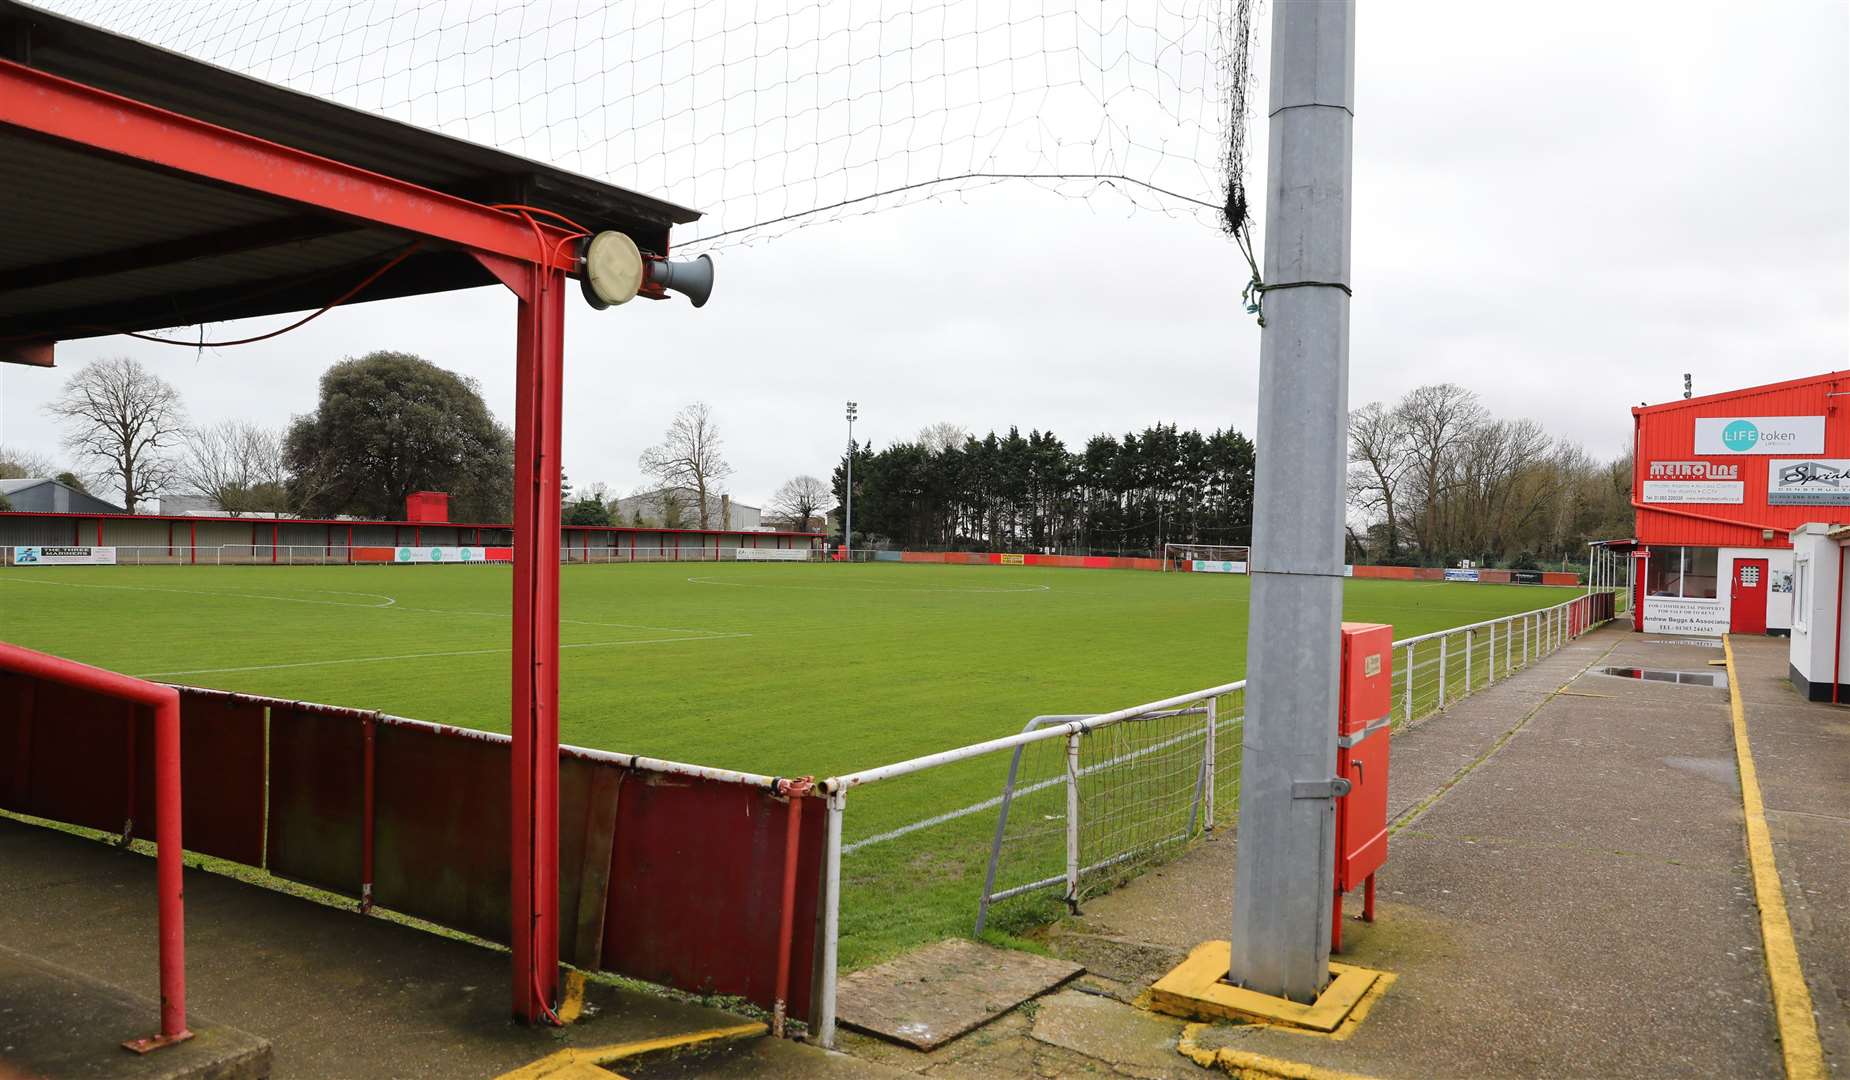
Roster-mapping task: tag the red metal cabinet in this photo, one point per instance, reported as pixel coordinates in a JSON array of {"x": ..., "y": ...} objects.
[{"x": 1362, "y": 734}]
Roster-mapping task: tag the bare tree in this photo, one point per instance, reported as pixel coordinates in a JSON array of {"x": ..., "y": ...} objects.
[
  {"x": 21, "y": 464},
  {"x": 1438, "y": 419},
  {"x": 238, "y": 466},
  {"x": 1380, "y": 457},
  {"x": 689, "y": 456},
  {"x": 799, "y": 499},
  {"x": 121, "y": 418},
  {"x": 942, "y": 436}
]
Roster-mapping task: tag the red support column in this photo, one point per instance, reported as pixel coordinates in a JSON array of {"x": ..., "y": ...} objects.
[
  {"x": 535, "y": 721},
  {"x": 275, "y": 535},
  {"x": 349, "y": 545},
  {"x": 99, "y": 532},
  {"x": 192, "y": 542}
]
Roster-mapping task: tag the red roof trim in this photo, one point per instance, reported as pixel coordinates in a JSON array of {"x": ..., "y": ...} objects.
[
  {"x": 1710, "y": 399},
  {"x": 371, "y": 521}
]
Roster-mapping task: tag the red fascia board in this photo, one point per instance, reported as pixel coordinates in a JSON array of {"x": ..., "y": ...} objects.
[
  {"x": 202, "y": 519},
  {"x": 75, "y": 113},
  {"x": 1712, "y": 399}
]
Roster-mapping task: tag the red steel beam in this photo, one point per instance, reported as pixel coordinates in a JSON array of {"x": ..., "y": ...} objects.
[
  {"x": 535, "y": 757},
  {"x": 58, "y": 108},
  {"x": 165, "y": 701}
]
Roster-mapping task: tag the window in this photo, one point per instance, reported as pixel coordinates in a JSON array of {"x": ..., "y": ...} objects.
[{"x": 1687, "y": 572}]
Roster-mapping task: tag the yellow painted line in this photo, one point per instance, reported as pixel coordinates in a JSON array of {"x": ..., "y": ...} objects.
[
  {"x": 575, "y": 1062},
  {"x": 573, "y": 1006},
  {"x": 1792, "y": 1010},
  {"x": 1246, "y": 1064}
]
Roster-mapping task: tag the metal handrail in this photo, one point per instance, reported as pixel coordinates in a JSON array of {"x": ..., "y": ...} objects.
[{"x": 165, "y": 701}]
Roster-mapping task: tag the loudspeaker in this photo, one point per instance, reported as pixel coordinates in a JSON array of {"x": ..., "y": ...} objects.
[
  {"x": 693, "y": 278},
  {"x": 611, "y": 270}
]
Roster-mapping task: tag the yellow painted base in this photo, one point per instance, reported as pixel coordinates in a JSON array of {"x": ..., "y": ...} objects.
[
  {"x": 583, "y": 1063},
  {"x": 1247, "y": 1065},
  {"x": 1197, "y": 990}
]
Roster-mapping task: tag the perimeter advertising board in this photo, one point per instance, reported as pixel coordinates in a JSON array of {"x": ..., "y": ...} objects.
[
  {"x": 64, "y": 556},
  {"x": 439, "y": 555},
  {"x": 1216, "y": 566}
]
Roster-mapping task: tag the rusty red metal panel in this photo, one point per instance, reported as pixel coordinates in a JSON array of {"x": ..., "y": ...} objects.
[
  {"x": 696, "y": 883},
  {"x": 440, "y": 837},
  {"x": 221, "y": 776},
  {"x": 16, "y": 694},
  {"x": 316, "y": 766},
  {"x": 79, "y": 764}
]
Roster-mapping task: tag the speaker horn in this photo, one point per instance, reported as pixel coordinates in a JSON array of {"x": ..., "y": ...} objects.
[{"x": 693, "y": 278}]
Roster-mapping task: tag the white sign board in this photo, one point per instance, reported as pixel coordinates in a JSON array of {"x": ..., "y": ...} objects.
[
  {"x": 1457, "y": 574},
  {"x": 64, "y": 556},
  {"x": 439, "y": 555},
  {"x": 1808, "y": 482},
  {"x": 1693, "y": 491},
  {"x": 1680, "y": 615},
  {"x": 1216, "y": 566},
  {"x": 745, "y": 554},
  {"x": 1760, "y": 435}
]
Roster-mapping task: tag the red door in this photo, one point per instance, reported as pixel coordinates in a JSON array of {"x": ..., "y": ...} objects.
[{"x": 1747, "y": 597}]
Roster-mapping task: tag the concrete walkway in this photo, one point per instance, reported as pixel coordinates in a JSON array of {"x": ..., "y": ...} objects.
[{"x": 1566, "y": 895}]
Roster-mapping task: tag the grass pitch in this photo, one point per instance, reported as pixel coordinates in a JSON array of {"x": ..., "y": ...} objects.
[{"x": 776, "y": 669}]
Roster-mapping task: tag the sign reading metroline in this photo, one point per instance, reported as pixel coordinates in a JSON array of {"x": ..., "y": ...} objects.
[{"x": 1760, "y": 435}]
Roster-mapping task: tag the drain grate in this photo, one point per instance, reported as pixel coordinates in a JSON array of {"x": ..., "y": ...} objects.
[{"x": 1683, "y": 678}]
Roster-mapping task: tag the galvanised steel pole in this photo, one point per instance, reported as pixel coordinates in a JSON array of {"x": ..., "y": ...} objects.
[{"x": 1285, "y": 868}]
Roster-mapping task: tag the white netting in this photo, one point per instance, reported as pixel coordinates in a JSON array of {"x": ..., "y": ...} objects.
[{"x": 770, "y": 116}]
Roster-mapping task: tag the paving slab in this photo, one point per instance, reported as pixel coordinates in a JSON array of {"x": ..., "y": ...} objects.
[
  {"x": 934, "y": 994},
  {"x": 57, "y": 1023}
]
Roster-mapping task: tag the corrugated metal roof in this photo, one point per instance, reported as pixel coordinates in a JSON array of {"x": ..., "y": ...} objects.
[{"x": 93, "y": 244}]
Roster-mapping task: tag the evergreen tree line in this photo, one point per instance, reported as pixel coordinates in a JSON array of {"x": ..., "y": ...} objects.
[{"x": 1015, "y": 492}]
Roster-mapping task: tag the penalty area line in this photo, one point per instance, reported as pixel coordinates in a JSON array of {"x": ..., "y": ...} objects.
[{"x": 430, "y": 656}]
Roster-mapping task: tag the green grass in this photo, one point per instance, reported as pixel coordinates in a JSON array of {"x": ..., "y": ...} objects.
[{"x": 777, "y": 669}]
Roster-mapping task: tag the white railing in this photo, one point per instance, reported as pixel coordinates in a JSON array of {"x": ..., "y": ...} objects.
[{"x": 1431, "y": 671}]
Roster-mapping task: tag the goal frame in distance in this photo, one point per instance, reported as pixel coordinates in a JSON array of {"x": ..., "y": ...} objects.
[{"x": 1207, "y": 558}]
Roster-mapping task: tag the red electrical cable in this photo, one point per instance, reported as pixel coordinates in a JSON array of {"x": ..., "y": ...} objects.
[
  {"x": 338, "y": 301},
  {"x": 525, "y": 211}
]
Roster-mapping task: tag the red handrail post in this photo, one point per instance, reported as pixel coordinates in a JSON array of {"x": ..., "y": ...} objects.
[
  {"x": 794, "y": 790},
  {"x": 168, "y": 868}
]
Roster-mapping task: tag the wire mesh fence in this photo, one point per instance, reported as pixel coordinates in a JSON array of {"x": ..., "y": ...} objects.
[{"x": 1007, "y": 835}]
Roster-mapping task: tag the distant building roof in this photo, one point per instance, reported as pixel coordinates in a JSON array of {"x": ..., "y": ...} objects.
[{"x": 46, "y": 496}]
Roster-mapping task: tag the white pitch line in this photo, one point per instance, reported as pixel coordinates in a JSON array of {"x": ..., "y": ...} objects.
[
  {"x": 429, "y": 656},
  {"x": 872, "y": 589},
  {"x": 389, "y": 600}
]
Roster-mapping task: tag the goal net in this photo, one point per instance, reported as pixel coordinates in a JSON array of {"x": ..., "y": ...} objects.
[{"x": 1206, "y": 558}]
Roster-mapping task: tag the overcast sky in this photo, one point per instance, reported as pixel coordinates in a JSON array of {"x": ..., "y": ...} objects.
[{"x": 1561, "y": 206}]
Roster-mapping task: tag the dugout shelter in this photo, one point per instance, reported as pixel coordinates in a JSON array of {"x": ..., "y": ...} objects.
[{"x": 146, "y": 189}]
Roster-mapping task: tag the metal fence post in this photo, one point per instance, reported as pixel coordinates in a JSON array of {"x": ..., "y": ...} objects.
[
  {"x": 831, "y": 918},
  {"x": 1407, "y": 688},
  {"x": 1444, "y": 647},
  {"x": 1490, "y": 656},
  {"x": 1525, "y": 639},
  {"x": 1470, "y": 644},
  {"x": 1072, "y": 822},
  {"x": 1207, "y": 767}
]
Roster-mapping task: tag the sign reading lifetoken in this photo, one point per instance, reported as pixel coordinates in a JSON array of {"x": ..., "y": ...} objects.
[
  {"x": 64, "y": 556},
  {"x": 1760, "y": 435},
  {"x": 1216, "y": 566}
]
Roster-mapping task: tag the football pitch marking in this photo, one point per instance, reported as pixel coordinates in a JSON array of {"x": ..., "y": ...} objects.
[
  {"x": 428, "y": 656},
  {"x": 874, "y": 588},
  {"x": 389, "y": 600}
]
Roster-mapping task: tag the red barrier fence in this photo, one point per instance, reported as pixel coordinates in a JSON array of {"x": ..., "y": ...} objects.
[
  {"x": 53, "y": 708},
  {"x": 670, "y": 873}
]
